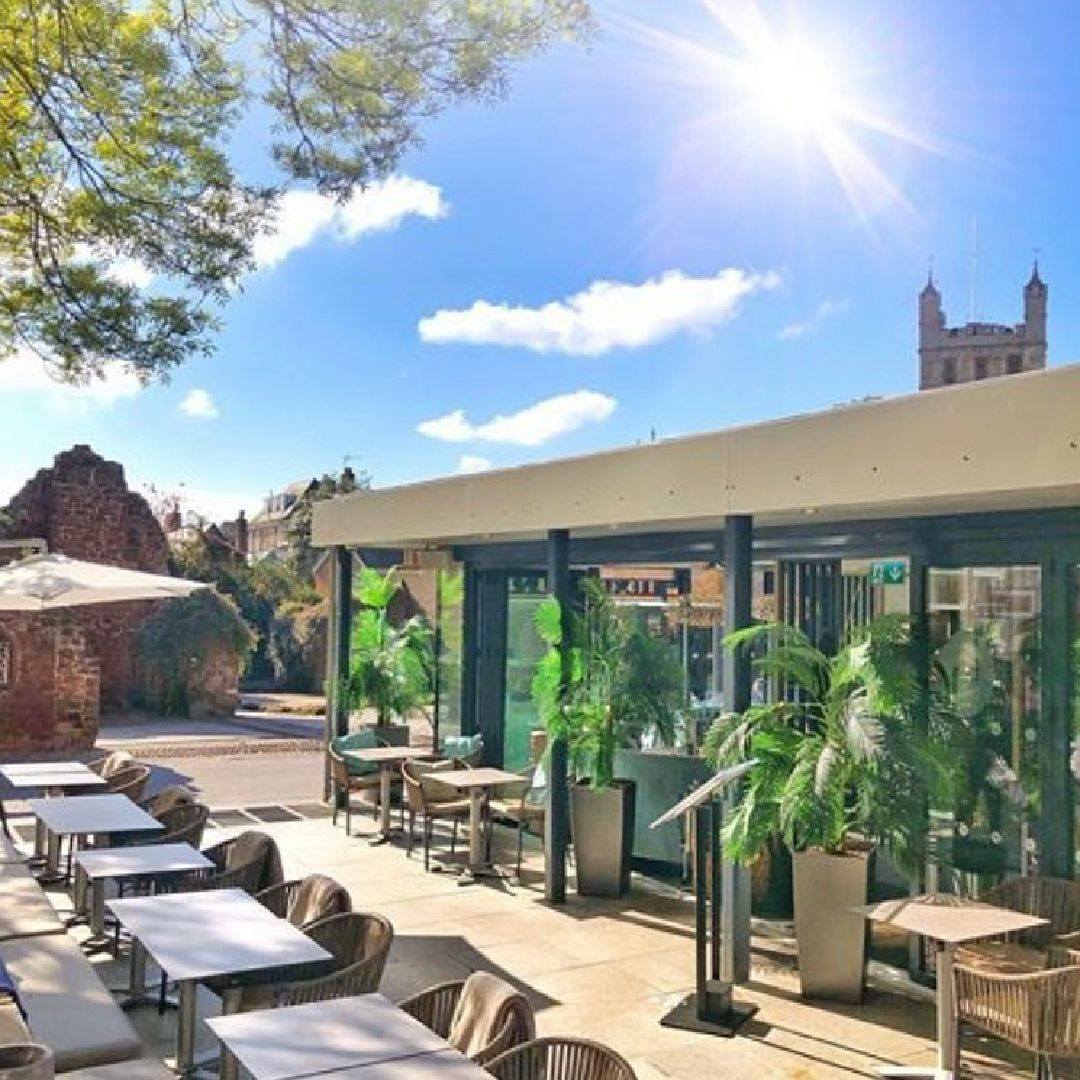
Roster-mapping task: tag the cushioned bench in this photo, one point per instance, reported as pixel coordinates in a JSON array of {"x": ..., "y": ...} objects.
[
  {"x": 143, "y": 1069},
  {"x": 69, "y": 1009},
  {"x": 25, "y": 910}
]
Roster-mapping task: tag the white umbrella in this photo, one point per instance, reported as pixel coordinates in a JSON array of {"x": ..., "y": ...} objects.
[{"x": 44, "y": 582}]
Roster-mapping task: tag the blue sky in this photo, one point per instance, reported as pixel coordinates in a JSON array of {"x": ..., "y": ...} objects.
[{"x": 416, "y": 330}]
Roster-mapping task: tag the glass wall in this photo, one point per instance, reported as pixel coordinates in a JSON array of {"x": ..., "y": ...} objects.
[
  {"x": 985, "y": 708},
  {"x": 524, "y": 648}
]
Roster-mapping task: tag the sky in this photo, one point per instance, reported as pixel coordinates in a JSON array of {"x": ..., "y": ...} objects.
[{"x": 713, "y": 213}]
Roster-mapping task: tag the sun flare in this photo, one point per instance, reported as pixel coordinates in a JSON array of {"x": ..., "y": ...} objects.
[{"x": 790, "y": 84}]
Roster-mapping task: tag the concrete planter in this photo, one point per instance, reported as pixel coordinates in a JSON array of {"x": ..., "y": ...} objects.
[
  {"x": 26, "y": 1061},
  {"x": 602, "y": 823},
  {"x": 831, "y": 940}
]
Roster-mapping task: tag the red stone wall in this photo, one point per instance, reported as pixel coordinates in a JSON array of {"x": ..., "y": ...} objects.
[{"x": 51, "y": 700}]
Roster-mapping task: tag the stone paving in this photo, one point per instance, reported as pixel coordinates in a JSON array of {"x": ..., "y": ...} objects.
[{"x": 603, "y": 969}]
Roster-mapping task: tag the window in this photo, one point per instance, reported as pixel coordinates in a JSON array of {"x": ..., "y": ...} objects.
[
  {"x": 7, "y": 673},
  {"x": 982, "y": 368},
  {"x": 1016, "y": 364}
]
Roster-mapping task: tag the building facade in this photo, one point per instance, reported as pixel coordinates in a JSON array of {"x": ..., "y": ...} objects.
[{"x": 977, "y": 350}]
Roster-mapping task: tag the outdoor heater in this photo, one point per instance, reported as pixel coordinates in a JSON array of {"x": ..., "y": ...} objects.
[{"x": 711, "y": 1009}]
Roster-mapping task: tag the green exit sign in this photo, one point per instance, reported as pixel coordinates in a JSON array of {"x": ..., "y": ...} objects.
[{"x": 890, "y": 572}]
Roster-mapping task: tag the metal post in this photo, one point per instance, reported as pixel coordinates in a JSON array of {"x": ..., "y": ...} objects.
[
  {"x": 1054, "y": 824},
  {"x": 337, "y": 659},
  {"x": 557, "y": 818},
  {"x": 701, "y": 907},
  {"x": 738, "y": 586},
  {"x": 918, "y": 583}
]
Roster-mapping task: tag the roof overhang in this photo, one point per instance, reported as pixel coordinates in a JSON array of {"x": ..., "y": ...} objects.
[{"x": 1010, "y": 443}]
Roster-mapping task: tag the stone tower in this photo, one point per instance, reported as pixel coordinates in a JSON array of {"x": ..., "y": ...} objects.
[{"x": 959, "y": 354}]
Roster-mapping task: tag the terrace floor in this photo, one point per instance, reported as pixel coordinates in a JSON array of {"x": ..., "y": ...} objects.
[{"x": 603, "y": 969}]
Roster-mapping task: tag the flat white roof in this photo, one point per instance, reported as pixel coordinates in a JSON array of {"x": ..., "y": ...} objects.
[{"x": 1000, "y": 444}]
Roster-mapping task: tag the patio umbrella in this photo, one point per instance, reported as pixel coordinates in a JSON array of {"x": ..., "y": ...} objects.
[{"x": 46, "y": 582}]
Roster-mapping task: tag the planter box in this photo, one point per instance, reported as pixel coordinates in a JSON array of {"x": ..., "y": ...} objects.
[
  {"x": 602, "y": 824},
  {"x": 831, "y": 939}
]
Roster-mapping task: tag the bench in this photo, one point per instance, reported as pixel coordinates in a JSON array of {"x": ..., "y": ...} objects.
[
  {"x": 69, "y": 1009},
  {"x": 25, "y": 910}
]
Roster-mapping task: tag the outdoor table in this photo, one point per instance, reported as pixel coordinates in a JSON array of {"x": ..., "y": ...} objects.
[
  {"x": 150, "y": 860},
  {"x": 201, "y": 935},
  {"x": 51, "y": 777},
  {"x": 89, "y": 815},
  {"x": 948, "y": 921},
  {"x": 389, "y": 759},
  {"x": 479, "y": 783},
  {"x": 366, "y": 1037}
]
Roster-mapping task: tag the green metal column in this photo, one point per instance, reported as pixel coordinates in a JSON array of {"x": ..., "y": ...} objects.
[
  {"x": 339, "y": 634},
  {"x": 556, "y": 824},
  {"x": 738, "y": 591},
  {"x": 1055, "y": 826},
  {"x": 918, "y": 591}
]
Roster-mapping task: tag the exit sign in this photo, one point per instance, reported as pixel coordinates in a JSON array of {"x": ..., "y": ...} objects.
[{"x": 890, "y": 572}]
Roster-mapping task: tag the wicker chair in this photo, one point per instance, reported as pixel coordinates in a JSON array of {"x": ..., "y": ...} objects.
[
  {"x": 167, "y": 798},
  {"x": 108, "y": 764},
  {"x": 345, "y": 783},
  {"x": 250, "y": 861},
  {"x": 306, "y": 900},
  {"x": 1038, "y": 1011},
  {"x": 524, "y": 808},
  {"x": 130, "y": 781},
  {"x": 560, "y": 1059},
  {"x": 423, "y": 800},
  {"x": 438, "y": 1007},
  {"x": 1053, "y": 899}
]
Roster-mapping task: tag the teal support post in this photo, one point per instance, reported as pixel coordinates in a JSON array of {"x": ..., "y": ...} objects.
[
  {"x": 339, "y": 634},
  {"x": 1055, "y": 823}
]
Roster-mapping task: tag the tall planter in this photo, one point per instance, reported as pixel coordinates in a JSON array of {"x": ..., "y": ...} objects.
[
  {"x": 602, "y": 824},
  {"x": 831, "y": 939}
]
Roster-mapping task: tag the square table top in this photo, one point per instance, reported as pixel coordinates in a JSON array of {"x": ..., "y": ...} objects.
[
  {"x": 89, "y": 814},
  {"x": 383, "y": 754},
  {"x": 46, "y": 774},
  {"x": 141, "y": 860},
  {"x": 440, "y": 1065},
  {"x": 949, "y": 919},
  {"x": 480, "y": 777},
  {"x": 197, "y": 935},
  {"x": 325, "y": 1036}
]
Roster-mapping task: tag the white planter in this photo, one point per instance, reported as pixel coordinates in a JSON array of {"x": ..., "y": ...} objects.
[
  {"x": 831, "y": 939},
  {"x": 26, "y": 1061}
]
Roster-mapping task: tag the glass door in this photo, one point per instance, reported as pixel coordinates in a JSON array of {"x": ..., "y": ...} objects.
[
  {"x": 985, "y": 710},
  {"x": 524, "y": 650}
]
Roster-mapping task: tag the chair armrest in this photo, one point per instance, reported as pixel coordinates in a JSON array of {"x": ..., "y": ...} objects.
[{"x": 434, "y": 1007}]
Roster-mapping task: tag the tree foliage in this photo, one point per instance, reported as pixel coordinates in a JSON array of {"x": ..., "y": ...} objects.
[
  {"x": 115, "y": 122},
  {"x": 302, "y": 556}
]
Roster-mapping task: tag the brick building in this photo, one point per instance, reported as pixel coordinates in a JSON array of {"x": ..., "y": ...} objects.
[{"x": 59, "y": 670}]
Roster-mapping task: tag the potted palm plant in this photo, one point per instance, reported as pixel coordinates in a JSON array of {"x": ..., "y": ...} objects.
[
  {"x": 589, "y": 710},
  {"x": 390, "y": 666},
  {"x": 840, "y": 767}
]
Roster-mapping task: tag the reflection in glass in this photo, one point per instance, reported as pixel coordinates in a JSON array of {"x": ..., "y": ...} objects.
[{"x": 985, "y": 705}]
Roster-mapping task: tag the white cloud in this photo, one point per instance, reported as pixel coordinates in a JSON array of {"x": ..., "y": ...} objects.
[
  {"x": 605, "y": 316},
  {"x": 473, "y": 463},
  {"x": 302, "y": 216},
  {"x": 200, "y": 404},
  {"x": 826, "y": 310},
  {"x": 23, "y": 372},
  {"x": 121, "y": 268},
  {"x": 537, "y": 424}
]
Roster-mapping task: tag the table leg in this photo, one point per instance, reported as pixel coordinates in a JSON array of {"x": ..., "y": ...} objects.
[
  {"x": 185, "y": 1030},
  {"x": 229, "y": 1068},
  {"x": 138, "y": 971},
  {"x": 97, "y": 906},
  {"x": 946, "y": 1013},
  {"x": 40, "y": 840}
]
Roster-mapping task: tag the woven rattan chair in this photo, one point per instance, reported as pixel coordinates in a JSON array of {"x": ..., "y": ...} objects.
[
  {"x": 560, "y": 1059},
  {"x": 130, "y": 781},
  {"x": 1053, "y": 899},
  {"x": 306, "y": 900},
  {"x": 250, "y": 861},
  {"x": 1038, "y": 1012},
  {"x": 108, "y": 764},
  {"x": 524, "y": 808},
  {"x": 423, "y": 800},
  {"x": 510, "y": 1025},
  {"x": 167, "y": 798},
  {"x": 345, "y": 784}
]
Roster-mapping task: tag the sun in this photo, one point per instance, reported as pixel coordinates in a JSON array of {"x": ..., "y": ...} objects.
[{"x": 791, "y": 85}]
